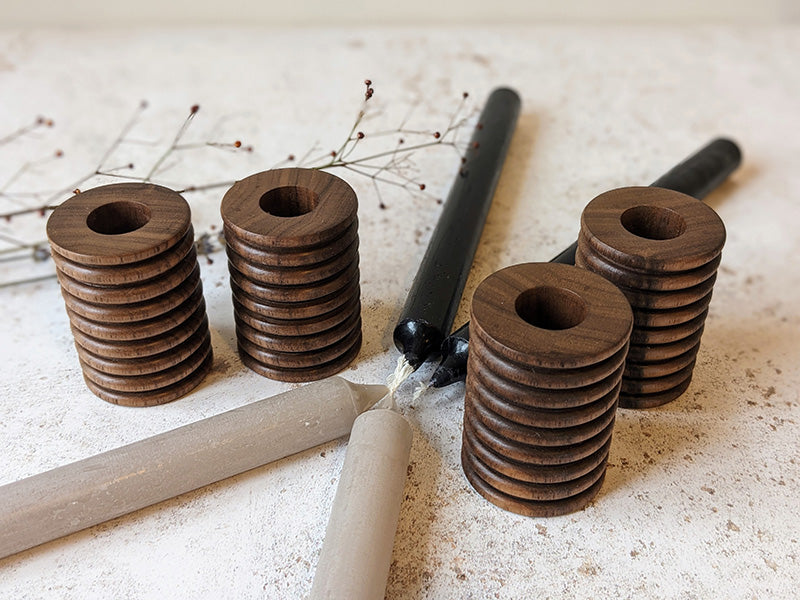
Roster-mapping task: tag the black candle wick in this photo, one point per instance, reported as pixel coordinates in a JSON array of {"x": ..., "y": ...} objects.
[
  {"x": 433, "y": 300},
  {"x": 696, "y": 176}
]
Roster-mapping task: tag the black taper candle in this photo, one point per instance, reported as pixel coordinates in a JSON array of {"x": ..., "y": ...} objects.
[
  {"x": 434, "y": 296},
  {"x": 696, "y": 176}
]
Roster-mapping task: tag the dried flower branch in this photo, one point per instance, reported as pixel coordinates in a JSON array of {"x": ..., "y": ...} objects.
[{"x": 393, "y": 166}]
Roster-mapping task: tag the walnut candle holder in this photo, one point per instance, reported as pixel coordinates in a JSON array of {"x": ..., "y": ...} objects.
[
  {"x": 292, "y": 244},
  {"x": 662, "y": 249},
  {"x": 547, "y": 351},
  {"x": 127, "y": 266}
]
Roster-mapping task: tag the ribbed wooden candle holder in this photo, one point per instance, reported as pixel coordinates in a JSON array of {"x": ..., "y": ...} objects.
[
  {"x": 292, "y": 243},
  {"x": 127, "y": 266},
  {"x": 662, "y": 249},
  {"x": 547, "y": 351}
]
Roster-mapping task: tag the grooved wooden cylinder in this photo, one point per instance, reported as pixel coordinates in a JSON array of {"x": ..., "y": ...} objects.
[
  {"x": 547, "y": 351},
  {"x": 662, "y": 249},
  {"x": 292, "y": 244},
  {"x": 127, "y": 266}
]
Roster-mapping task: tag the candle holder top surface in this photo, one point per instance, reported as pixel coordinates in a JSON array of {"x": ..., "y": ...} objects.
[
  {"x": 650, "y": 228},
  {"x": 289, "y": 208},
  {"x": 118, "y": 224},
  {"x": 552, "y": 316}
]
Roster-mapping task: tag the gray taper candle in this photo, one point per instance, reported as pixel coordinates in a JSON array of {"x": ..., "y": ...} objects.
[
  {"x": 355, "y": 557},
  {"x": 84, "y": 493}
]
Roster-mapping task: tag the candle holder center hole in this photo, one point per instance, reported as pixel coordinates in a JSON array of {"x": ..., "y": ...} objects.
[
  {"x": 550, "y": 307},
  {"x": 653, "y": 222},
  {"x": 119, "y": 217},
  {"x": 289, "y": 201}
]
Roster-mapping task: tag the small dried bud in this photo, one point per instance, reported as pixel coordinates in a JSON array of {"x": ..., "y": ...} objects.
[
  {"x": 369, "y": 93},
  {"x": 130, "y": 165},
  {"x": 360, "y": 135},
  {"x": 209, "y": 260},
  {"x": 290, "y": 157},
  {"x": 49, "y": 122},
  {"x": 479, "y": 126},
  {"x": 248, "y": 148},
  {"x": 333, "y": 153},
  {"x": 191, "y": 188},
  {"x": 213, "y": 227},
  {"x": 437, "y": 135},
  {"x": 382, "y": 206},
  {"x": 41, "y": 212},
  {"x": 40, "y": 120},
  {"x": 194, "y": 109},
  {"x": 237, "y": 144},
  {"x": 465, "y": 95},
  {"x": 59, "y": 153},
  {"x": 401, "y": 141},
  {"x": 439, "y": 201},
  {"x": 463, "y": 160},
  {"x": 368, "y": 82},
  {"x": 76, "y": 191},
  {"x": 422, "y": 186},
  {"x": 476, "y": 145}
]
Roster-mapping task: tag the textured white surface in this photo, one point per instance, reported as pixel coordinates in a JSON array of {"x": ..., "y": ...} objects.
[{"x": 701, "y": 497}]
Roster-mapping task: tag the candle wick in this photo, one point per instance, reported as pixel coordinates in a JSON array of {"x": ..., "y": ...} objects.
[{"x": 401, "y": 372}]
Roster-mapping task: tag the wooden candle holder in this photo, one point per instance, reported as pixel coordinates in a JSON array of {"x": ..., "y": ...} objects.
[
  {"x": 662, "y": 249},
  {"x": 127, "y": 266},
  {"x": 547, "y": 351},
  {"x": 292, "y": 244}
]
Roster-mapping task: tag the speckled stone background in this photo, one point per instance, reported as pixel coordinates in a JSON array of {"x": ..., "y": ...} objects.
[{"x": 701, "y": 497}]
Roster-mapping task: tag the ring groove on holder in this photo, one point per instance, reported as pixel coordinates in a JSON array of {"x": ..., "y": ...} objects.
[
  {"x": 292, "y": 245},
  {"x": 127, "y": 266},
  {"x": 543, "y": 376},
  {"x": 662, "y": 248}
]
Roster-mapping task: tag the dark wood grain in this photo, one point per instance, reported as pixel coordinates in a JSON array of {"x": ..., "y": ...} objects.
[
  {"x": 307, "y": 309},
  {"x": 537, "y": 473},
  {"x": 333, "y": 212},
  {"x": 696, "y": 242},
  {"x": 71, "y": 236},
  {"x": 292, "y": 256},
  {"x": 601, "y": 332},
  {"x": 532, "y": 453},
  {"x": 663, "y": 250},
  {"x": 153, "y": 398},
  {"x": 135, "y": 311},
  {"x": 136, "y": 272},
  {"x": 528, "y": 508},
  {"x": 127, "y": 265},
  {"x": 142, "y": 329},
  {"x": 146, "y": 364},
  {"x": 135, "y": 292},
  {"x": 292, "y": 237},
  {"x": 547, "y": 353}
]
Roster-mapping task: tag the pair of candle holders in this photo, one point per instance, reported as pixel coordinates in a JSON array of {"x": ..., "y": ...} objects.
[
  {"x": 556, "y": 348},
  {"x": 127, "y": 266}
]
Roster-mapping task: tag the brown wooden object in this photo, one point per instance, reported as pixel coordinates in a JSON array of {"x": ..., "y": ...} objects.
[
  {"x": 662, "y": 249},
  {"x": 546, "y": 358},
  {"x": 292, "y": 244},
  {"x": 127, "y": 266}
]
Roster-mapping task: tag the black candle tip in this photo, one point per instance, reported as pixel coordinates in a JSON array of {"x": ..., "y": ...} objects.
[
  {"x": 417, "y": 339},
  {"x": 453, "y": 368}
]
